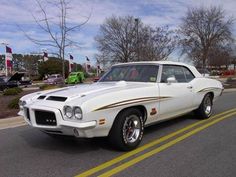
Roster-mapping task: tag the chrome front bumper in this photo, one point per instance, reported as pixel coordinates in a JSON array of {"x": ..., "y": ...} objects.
[{"x": 78, "y": 129}]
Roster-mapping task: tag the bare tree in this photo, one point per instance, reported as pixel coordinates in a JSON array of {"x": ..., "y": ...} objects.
[
  {"x": 202, "y": 29},
  {"x": 116, "y": 39},
  {"x": 220, "y": 55},
  {"x": 125, "y": 39},
  {"x": 58, "y": 27},
  {"x": 157, "y": 43}
]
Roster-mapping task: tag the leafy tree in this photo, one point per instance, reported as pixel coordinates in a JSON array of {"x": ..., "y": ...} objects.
[{"x": 52, "y": 66}]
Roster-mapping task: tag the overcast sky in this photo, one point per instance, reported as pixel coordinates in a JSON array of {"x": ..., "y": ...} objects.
[{"x": 153, "y": 12}]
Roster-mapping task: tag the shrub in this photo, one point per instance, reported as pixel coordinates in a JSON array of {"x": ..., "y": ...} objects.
[
  {"x": 229, "y": 79},
  {"x": 14, "y": 103},
  {"x": 12, "y": 91}
]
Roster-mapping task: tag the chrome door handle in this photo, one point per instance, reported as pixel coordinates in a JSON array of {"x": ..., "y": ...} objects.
[{"x": 190, "y": 87}]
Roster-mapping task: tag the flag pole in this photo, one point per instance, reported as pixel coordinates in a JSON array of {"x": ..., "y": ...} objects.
[
  {"x": 5, "y": 44},
  {"x": 6, "y": 62}
]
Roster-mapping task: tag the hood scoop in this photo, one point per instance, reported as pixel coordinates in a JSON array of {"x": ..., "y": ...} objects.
[
  {"x": 57, "y": 98},
  {"x": 41, "y": 97}
]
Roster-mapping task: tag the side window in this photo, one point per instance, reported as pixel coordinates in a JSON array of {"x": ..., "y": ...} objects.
[
  {"x": 173, "y": 71},
  {"x": 179, "y": 74},
  {"x": 167, "y": 71},
  {"x": 189, "y": 75}
]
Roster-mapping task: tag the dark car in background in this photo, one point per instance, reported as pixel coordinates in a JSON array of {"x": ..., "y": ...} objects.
[
  {"x": 10, "y": 82},
  {"x": 18, "y": 79}
]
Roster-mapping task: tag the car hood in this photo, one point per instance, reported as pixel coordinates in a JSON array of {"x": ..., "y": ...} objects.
[
  {"x": 16, "y": 77},
  {"x": 93, "y": 89}
]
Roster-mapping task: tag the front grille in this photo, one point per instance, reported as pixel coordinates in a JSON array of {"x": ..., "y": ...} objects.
[
  {"x": 27, "y": 114},
  {"x": 57, "y": 98},
  {"x": 45, "y": 118}
]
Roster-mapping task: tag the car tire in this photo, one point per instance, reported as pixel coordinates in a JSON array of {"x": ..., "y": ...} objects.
[
  {"x": 127, "y": 130},
  {"x": 204, "y": 111}
]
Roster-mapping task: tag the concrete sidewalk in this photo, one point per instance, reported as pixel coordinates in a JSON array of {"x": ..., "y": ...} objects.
[{"x": 11, "y": 122}]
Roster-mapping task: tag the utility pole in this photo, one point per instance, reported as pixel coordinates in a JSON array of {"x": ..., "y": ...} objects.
[{"x": 137, "y": 38}]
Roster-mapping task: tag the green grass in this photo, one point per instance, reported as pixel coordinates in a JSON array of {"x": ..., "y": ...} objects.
[
  {"x": 12, "y": 91},
  {"x": 48, "y": 87},
  {"x": 14, "y": 103}
]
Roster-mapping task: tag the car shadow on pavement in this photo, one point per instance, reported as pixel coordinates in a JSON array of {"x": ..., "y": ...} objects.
[
  {"x": 171, "y": 125},
  {"x": 65, "y": 144}
]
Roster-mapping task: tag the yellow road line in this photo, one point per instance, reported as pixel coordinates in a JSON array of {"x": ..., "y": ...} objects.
[
  {"x": 146, "y": 146},
  {"x": 163, "y": 147}
]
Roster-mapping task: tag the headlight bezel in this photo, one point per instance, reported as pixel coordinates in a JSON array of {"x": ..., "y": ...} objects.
[
  {"x": 66, "y": 112},
  {"x": 73, "y": 111},
  {"x": 22, "y": 103},
  {"x": 80, "y": 113}
]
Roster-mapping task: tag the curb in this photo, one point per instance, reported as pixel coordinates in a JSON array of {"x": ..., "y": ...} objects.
[{"x": 12, "y": 122}]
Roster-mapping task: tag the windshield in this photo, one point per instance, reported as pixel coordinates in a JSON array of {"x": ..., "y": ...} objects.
[{"x": 133, "y": 73}]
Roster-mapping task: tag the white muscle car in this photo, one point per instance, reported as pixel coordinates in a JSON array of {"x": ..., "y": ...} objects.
[{"x": 127, "y": 98}]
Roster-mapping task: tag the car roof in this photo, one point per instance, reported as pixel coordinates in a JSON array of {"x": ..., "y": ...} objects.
[
  {"x": 154, "y": 62},
  {"x": 164, "y": 62}
]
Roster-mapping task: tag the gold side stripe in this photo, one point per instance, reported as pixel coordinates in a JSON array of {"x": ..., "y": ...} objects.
[
  {"x": 209, "y": 89},
  {"x": 132, "y": 101}
]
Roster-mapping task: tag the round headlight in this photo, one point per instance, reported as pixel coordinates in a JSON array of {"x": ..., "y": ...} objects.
[
  {"x": 68, "y": 111},
  {"x": 78, "y": 113}
]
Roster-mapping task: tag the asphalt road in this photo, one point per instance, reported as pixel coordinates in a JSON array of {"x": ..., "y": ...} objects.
[{"x": 207, "y": 150}]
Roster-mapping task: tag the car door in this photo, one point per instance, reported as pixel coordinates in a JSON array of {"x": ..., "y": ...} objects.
[{"x": 176, "y": 91}]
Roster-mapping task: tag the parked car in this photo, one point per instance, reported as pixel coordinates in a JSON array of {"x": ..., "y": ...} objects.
[
  {"x": 10, "y": 82},
  {"x": 25, "y": 81},
  {"x": 127, "y": 98},
  {"x": 204, "y": 72},
  {"x": 75, "y": 77},
  {"x": 96, "y": 78},
  {"x": 54, "y": 79}
]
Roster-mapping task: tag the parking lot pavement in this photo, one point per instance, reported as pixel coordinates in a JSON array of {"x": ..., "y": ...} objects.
[{"x": 181, "y": 147}]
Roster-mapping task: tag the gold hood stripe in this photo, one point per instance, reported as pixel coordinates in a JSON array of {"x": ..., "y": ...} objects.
[{"x": 132, "y": 101}]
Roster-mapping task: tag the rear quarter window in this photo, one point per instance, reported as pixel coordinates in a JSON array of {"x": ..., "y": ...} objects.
[{"x": 188, "y": 74}]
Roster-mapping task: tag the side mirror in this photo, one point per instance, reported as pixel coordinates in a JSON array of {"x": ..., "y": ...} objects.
[{"x": 171, "y": 80}]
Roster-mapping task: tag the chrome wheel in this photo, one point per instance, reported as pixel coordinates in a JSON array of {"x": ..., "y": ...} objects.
[
  {"x": 131, "y": 129},
  {"x": 207, "y": 105}
]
